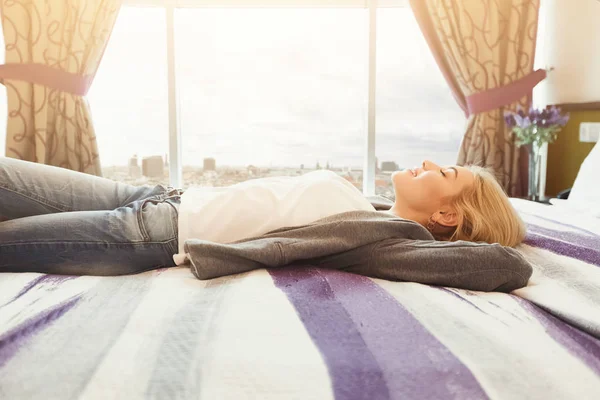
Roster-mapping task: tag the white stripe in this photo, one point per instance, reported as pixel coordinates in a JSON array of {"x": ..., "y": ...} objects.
[
  {"x": 125, "y": 370},
  {"x": 263, "y": 350},
  {"x": 563, "y": 284}
]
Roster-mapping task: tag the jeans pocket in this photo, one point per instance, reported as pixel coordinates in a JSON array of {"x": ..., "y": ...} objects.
[
  {"x": 159, "y": 224},
  {"x": 156, "y": 218}
]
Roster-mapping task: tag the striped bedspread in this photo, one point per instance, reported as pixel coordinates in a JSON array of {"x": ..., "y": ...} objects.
[{"x": 308, "y": 333}]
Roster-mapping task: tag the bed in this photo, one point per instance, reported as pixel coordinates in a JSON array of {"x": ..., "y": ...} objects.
[{"x": 308, "y": 333}]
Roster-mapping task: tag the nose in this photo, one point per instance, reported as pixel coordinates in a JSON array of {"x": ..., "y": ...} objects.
[{"x": 429, "y": 165}]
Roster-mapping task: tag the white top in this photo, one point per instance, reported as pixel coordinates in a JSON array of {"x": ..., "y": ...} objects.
[{"x": 257, "y": 206}]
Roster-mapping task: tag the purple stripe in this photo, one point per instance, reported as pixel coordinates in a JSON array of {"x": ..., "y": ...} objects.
[
  {"x": 588, "y": 255},
  {"x": 373, "y": 347},
  {"x": 52, "y": 279},
  {"x": 354, "y": 372},
  {"x": 11, "y": 341},
  {"x": 589, "y": 241},
  {"x": 580, "y": 344},
  {"x": 579, "y": 246}
]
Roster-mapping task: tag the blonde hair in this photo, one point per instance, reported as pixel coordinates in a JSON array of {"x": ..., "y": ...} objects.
[{"x": 485, "y": 213}]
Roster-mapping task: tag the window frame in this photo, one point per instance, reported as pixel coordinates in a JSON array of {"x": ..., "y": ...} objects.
[{"x": 175, "y": 164}]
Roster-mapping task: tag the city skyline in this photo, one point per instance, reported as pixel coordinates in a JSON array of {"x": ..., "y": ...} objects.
[
  {"x": 316, "y": 165},
  {"x": 154, "y": 173}
]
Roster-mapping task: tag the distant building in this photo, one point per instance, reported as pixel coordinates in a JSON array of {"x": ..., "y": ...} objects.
[
  {"x": 389, "y": 166},
  {"x": 133, "y": 161},
  {"x": 153, "y": 166},
  {"x": 210, "y": 164},
  {"x": 134, "y": 169}
]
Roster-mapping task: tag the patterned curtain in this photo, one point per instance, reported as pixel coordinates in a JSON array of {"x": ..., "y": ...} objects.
[
  {"x": 53, "y": 49},
  {"x": 482, "y": 46}
]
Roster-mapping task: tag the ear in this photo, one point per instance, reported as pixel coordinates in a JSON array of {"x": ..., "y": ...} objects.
[{"x": 446, "y": 217}]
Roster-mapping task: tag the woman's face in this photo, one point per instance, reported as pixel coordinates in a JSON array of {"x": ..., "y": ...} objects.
[{"x": 427, "y": 188}]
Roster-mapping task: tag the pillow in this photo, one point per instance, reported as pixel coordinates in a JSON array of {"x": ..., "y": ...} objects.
[{"x": 585, "y": 193}]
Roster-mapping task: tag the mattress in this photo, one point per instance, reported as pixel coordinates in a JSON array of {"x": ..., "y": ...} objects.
[{"x": 310, "y": 333}]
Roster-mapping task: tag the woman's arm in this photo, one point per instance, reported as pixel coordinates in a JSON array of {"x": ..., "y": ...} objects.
[
  {"x": 467, "y": 265},
  {"x": 460, "y": 264}
]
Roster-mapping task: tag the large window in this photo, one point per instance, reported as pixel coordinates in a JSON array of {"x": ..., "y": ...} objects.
[{"x": 268, "y": 91}]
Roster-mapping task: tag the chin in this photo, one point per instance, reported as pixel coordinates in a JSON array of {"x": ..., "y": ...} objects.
[{"x": 400, "y": 177}]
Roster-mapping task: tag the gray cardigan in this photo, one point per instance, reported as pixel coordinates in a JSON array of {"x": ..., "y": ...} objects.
[{"x": 371, "y": 243}]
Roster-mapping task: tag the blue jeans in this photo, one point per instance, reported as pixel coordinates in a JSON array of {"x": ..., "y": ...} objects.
[{"x": 59, "y": 221}]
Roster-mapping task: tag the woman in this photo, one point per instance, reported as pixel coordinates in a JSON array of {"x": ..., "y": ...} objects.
[{"x": 61, "y": 221}]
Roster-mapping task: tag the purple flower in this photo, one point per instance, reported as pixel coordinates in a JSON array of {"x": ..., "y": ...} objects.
[
  {"x": 548, "y": 118},
  {"x": 509, "y": 120},
  {"x": 522, "y": 122},
  {"x": 555, "y": 118},
  {"x": 534, "y": 115},
  {"x": 545, "y": 114}
]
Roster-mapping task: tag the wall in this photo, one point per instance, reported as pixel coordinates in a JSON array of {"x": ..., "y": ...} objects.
[
  {"x": 566, "y": 41},
  {"x": 567, "y": 153}
]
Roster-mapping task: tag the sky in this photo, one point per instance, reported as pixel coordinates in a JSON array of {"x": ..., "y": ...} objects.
[{"x": 279, "y": 87}]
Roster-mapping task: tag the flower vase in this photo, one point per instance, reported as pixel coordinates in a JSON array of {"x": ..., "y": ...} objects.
[{"x": 534, "y": 151}]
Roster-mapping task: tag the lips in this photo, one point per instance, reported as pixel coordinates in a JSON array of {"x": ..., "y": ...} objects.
[{"x": 413, "y": 172}]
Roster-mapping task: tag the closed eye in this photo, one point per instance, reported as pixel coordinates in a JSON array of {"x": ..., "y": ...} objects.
[{"x": 443, "y": 174}]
